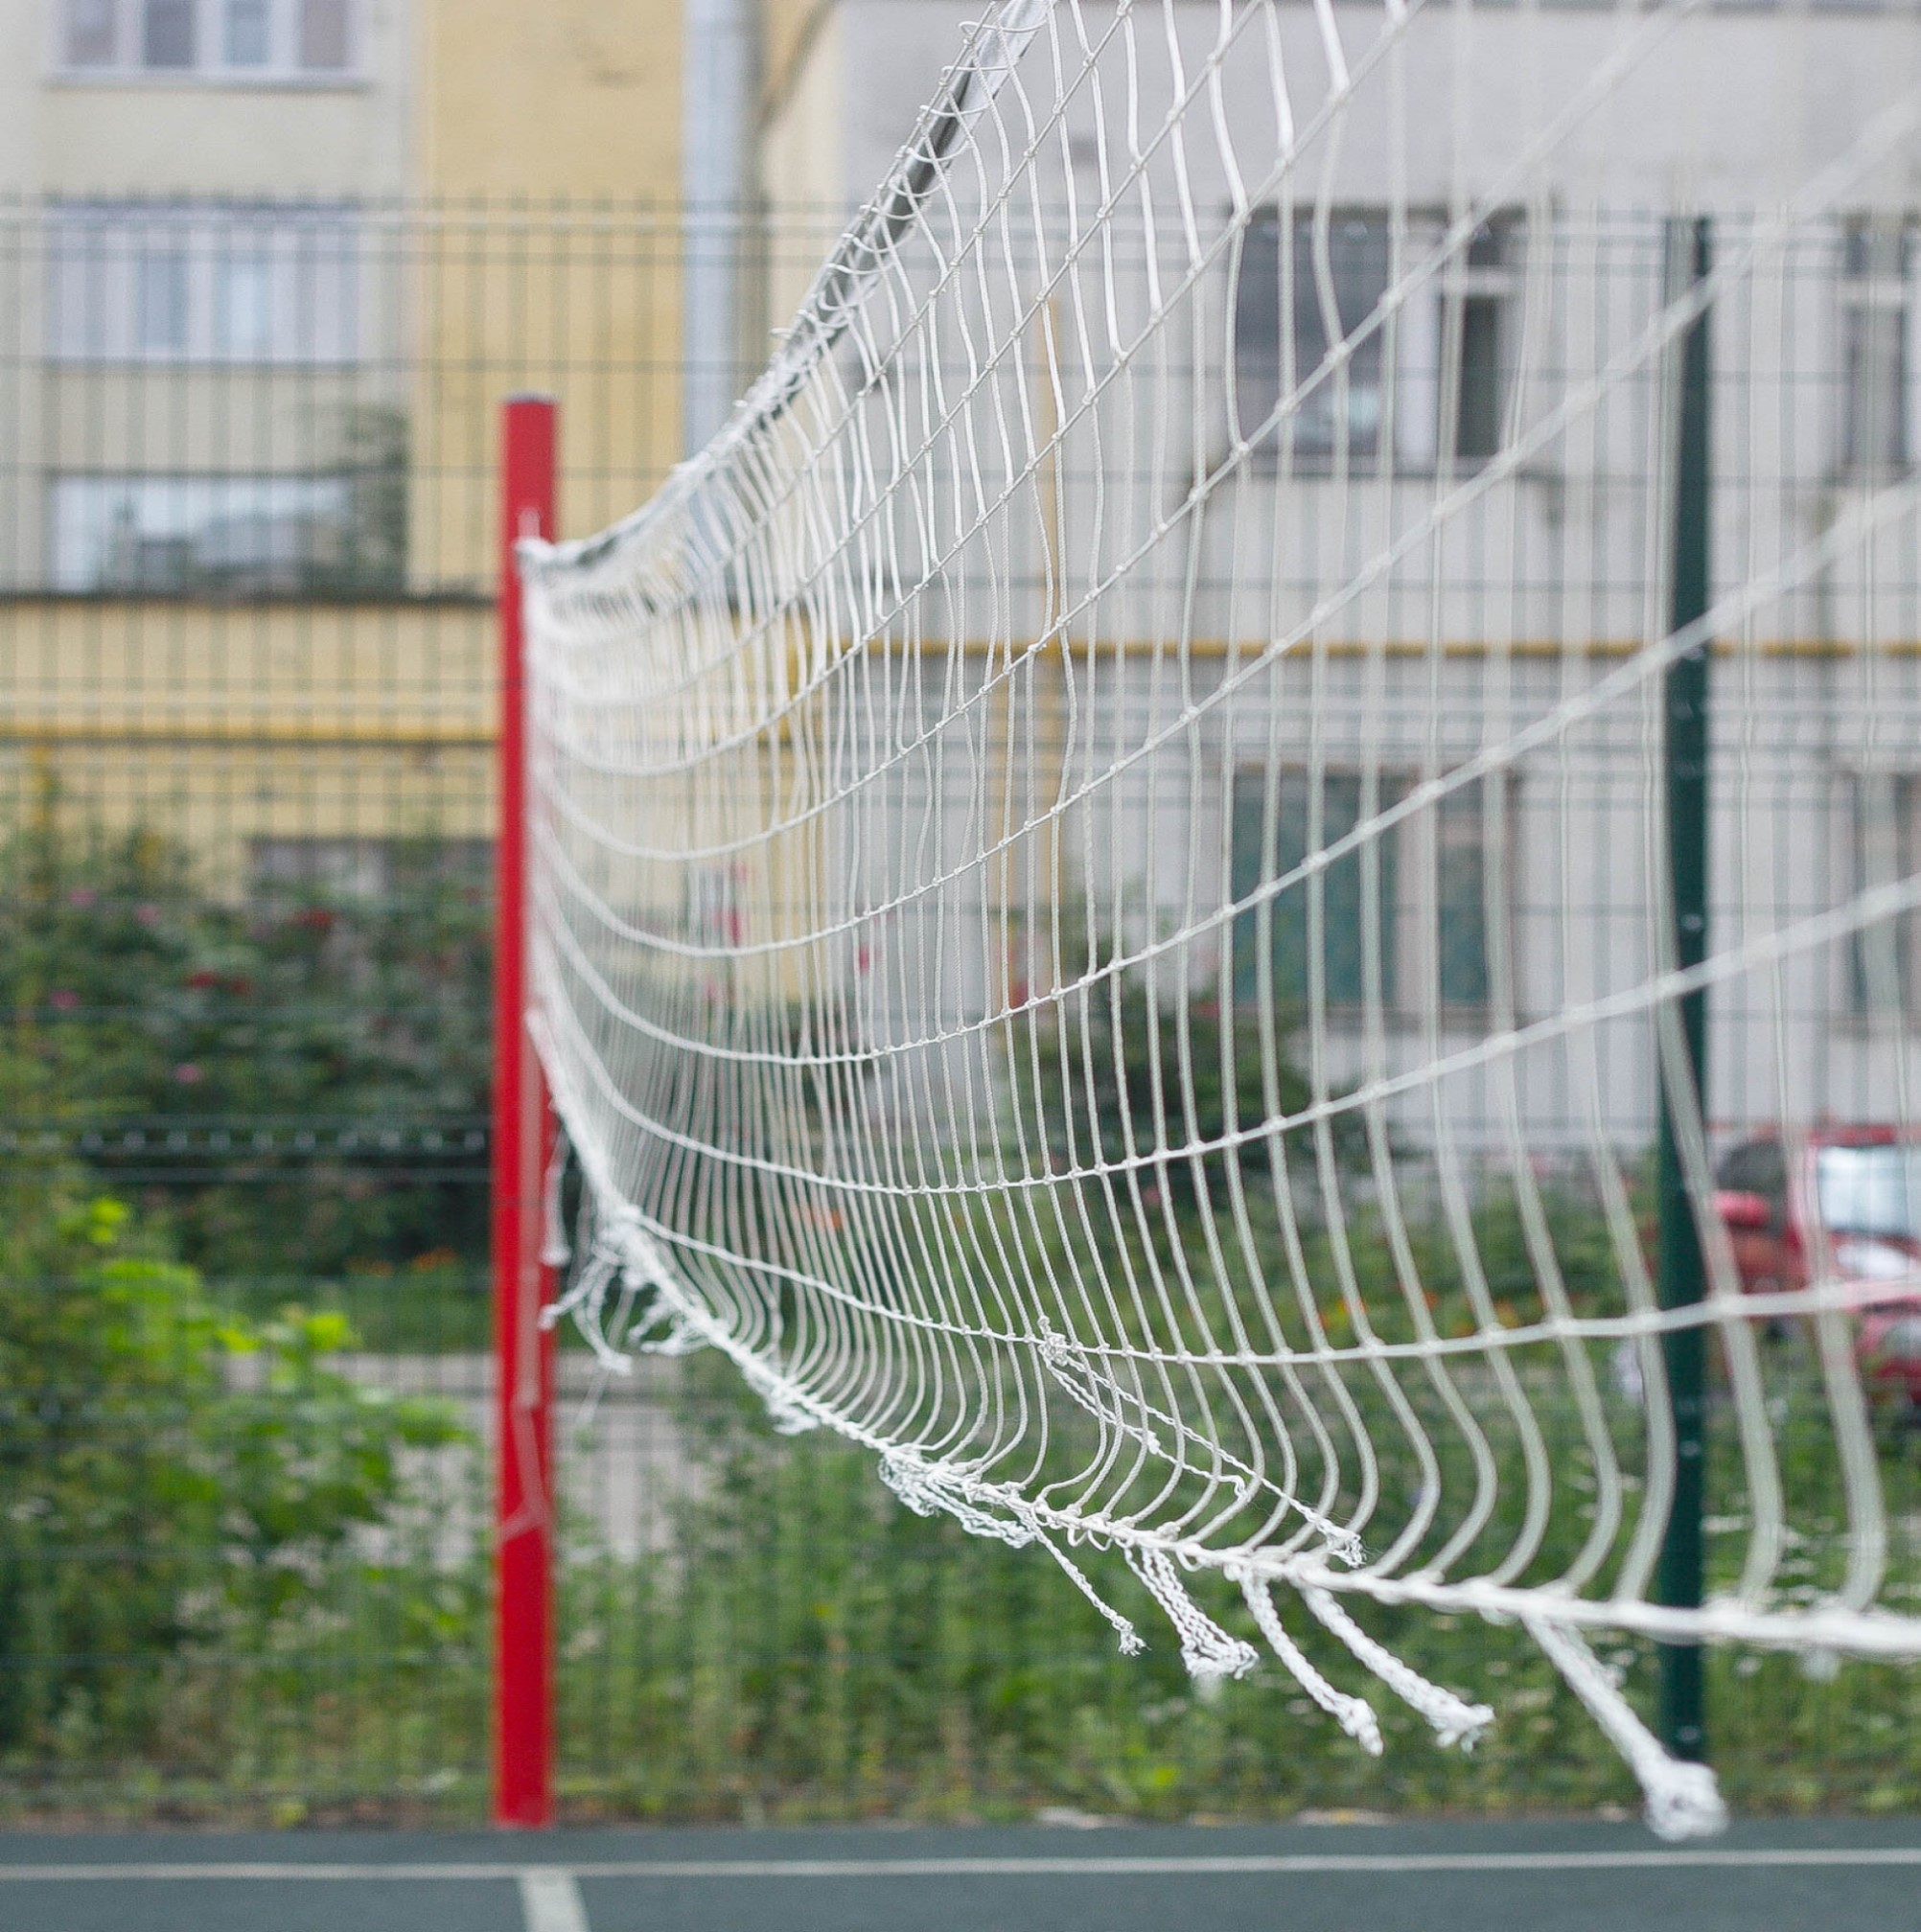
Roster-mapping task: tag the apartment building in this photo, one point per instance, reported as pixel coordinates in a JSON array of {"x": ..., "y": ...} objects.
[
  {"x": 266, "y": 269},
  {"x": 1366, "y": 654}
]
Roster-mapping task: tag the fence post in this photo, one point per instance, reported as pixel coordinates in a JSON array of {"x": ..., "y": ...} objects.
[
  {"x": 522, "y": 1139},
  {"x": 1682, "y": 1276}
]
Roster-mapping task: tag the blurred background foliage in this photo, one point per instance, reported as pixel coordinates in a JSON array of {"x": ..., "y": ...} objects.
[
  {"x": 172, "y": 1477},
  {"x": 242, "y": 1578},
  {"x": 144, "y": 1005}
]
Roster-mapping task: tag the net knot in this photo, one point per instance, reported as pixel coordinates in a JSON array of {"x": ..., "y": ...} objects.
[{"x": 926, "y": 1489}]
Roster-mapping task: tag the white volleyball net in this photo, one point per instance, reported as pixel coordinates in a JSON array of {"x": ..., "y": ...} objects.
[{"x": 1115, "y": 860}]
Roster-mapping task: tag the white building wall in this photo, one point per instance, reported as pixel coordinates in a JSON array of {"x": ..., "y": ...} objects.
[{"x": 1522, "y": 603}]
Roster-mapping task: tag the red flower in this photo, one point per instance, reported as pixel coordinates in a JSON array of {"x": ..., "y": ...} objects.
[
  {"x": 202, "y": 978},
  {"x": 63, "y": 1000},
  {"x": 188, "y": 1074}
]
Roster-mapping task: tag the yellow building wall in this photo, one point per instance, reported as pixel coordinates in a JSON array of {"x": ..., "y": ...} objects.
[
  {"x": 799, "y": 138},
  {"x": 549, "y": 144},
  {"x": 535, "y": 150},
  {"x": 218, "y": 726}
]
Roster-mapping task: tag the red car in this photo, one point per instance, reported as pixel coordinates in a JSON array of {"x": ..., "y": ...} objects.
[{"x": 1834, "y": 1204}]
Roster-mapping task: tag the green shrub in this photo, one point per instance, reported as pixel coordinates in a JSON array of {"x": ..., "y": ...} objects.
[
  {"x": 139, "y": 999},
  {"x": 167, "y": 1474}
]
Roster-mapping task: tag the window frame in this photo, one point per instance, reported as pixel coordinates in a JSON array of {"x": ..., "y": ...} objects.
[
  {"x": 1502, "y": 283},
  {"x": 1862, "y": 293},
  {"x": 68, "y": 530},
  {"x": 1412, "y": 964},
  {"x": 1427, "y": 373},
  {"x": 1885, "y": 834},
  {"x": 284, "y": 67},
  {"x": 315, "y": 284},
  {"x": 355, "y": 868}
]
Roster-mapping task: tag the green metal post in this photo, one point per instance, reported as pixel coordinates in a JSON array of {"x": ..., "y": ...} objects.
[{"x": 1683, "y": 1272}]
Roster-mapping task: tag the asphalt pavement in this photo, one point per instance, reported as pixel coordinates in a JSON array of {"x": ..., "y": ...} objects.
[{"x": 1579, "y": 1876}]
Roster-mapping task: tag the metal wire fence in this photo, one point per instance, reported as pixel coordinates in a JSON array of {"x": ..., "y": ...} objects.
[{"x": 246, "y": 720}]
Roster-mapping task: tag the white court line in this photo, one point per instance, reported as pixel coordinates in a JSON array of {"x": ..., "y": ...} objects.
[
  {"x": 1042, "y": 1867},
  {"x": 550, "y": 1900}
]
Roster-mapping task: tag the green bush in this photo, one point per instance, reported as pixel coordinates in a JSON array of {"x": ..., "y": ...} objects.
[
  {"x": 813, "y": 1650},
  {"x": 168, "y": 1475},
  {"x": 140, "y": 999}
]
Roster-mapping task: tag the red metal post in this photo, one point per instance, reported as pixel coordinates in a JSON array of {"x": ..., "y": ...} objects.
[{"x": 523, "y": 1593}]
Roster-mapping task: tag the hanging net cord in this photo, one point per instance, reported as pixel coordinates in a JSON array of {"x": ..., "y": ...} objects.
[{"x": 1110, "y": 871}]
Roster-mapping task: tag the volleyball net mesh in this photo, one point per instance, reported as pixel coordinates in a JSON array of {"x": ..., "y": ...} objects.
[{"x": 1237, "y": 873}]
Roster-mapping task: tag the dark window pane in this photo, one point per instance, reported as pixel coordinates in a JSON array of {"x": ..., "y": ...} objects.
[
  {"x": 1487, "y": 246},
  {"x": 1876, "y": 436},
  {"x": 1289, "y": 951},
  {"x": 1245, "y": 831},
  {"x": 1883, "y": 953},
  {"x": 1339, "y": 415},
  {"x": 1345, "y": 887},
  {"x": 1875, "y": 248},
  {"x": 1335, "y": 415},
  {"x": 1257, "y": 324},
  {"x": 1760, "y": 1167},
  {"x": 323, "y": 34},
  {"x": 1875, "y": 257},
  {"x": 168, "y": 36},
  {"x": 90, "y": 32},
  {"x": 1461, "y": 902},
  {"x": 1478, "y": 430}
]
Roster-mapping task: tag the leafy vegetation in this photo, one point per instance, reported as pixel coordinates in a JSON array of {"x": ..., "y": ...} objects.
[
  {"x": 235, "y": 1580},
  {"x": 170, "y": 1478},
  {"x": 289, "y": 1079},
  {"x": 804, "y": 1648},
  {"x": 813, "y": 1650}
]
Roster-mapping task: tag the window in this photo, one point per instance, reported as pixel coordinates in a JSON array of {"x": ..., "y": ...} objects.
[
  {"x": 244, "y": 318},
  {"x": 1876, "y": 258},
  {"x": 363, "y": 869},
  {"x": 254, "y": 534},
  {"x": 245, "y": 39},
  {"x": 323, "y": 35},
  {"x": 1483, "y": 296},
  {"x": 90, "y": 37},
  {"x": 1452, "y": 342},
  {"x": 1887, "y": 850},
  {"x": 1419, "y": 884},
  {"x": 1873, "y": 1191},
  {"x": 1757, "y": 1167},
  {"x": 203, "y": 282},
  {"x": 1461, "y": 898},
  {"x": 1350, "y": 887},
  {"x": 161, "y": 297},
  {"x": 249, "y": 39},
  {"x": 167, "y": 34},
  {"x": 1284, "y": 328}
]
